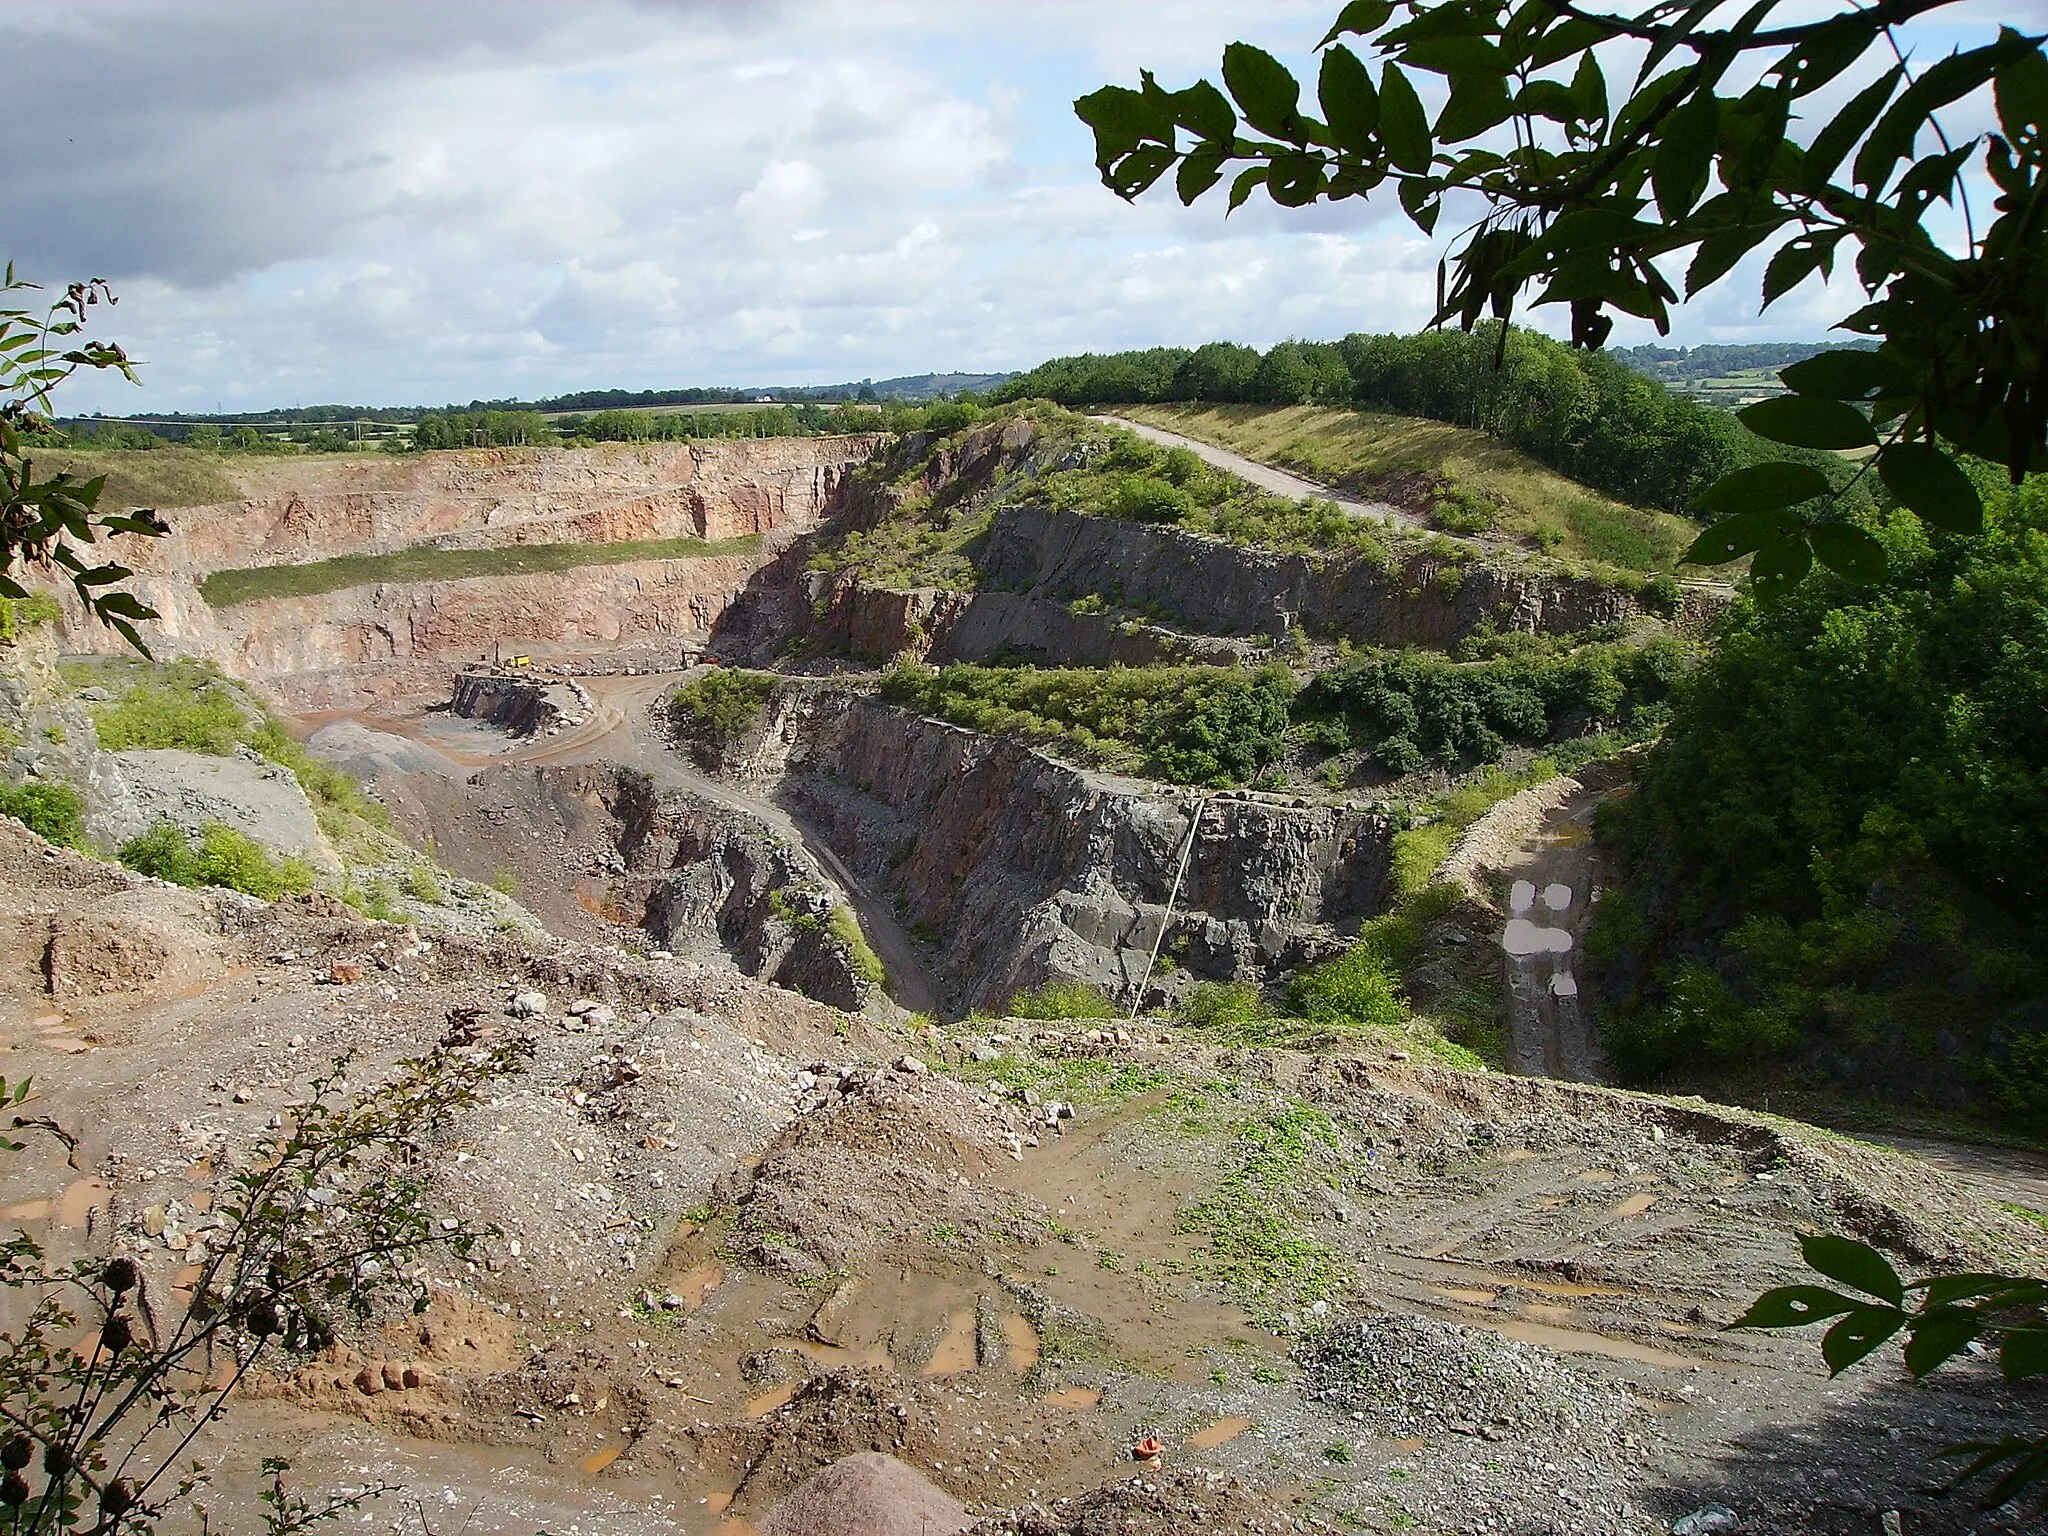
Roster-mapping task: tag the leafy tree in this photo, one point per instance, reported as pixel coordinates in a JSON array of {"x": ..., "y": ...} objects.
[
  {"x": 1588, "y": 193},
  {"x": 54, "y": 523}
]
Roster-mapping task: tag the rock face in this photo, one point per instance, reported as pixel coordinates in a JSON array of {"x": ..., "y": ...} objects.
[
  {"x": 245, "y": 791},
  {"x": 309, "y": 509},
  {"x": 396, "y": 637},
  {"x": 1020, "y": 868},
  {"x": 523, "y": 706},
  {"x": 704, "y": 880},
  {"x": 1222, "y": 588}
]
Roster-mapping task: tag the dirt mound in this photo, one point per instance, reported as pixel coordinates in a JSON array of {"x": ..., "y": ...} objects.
[
  {"x": 1171, "y": 1504},
  {"x": 867, "y": 1494},
  {"x": 881, "y": 1154},
  {"x": 832, "y": 1416}
]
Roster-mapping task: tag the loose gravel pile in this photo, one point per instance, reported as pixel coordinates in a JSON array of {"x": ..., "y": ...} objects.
[{"x": 1419, "y": 1376}]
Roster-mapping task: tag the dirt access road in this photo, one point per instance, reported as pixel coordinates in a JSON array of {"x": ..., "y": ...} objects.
[{"x": 1266, "y": 477}]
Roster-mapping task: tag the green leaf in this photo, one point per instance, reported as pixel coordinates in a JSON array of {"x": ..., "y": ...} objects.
[
  {"x": 1477, "y": 103},
  {"x": 1456, "y": 56},
  {"x": 1942, "y": 1290},
  {"x": 1793, "y": 1306},
  {"x": 1761, "y": 487},
  {"x": 1350, "y": 104},
  {"x": 1780, "y": 566},
  {"x": 1835, "y": 141},
  {"x": 2024, "y": 1353},
  {"x": 1808, "y": 421},
  {"x": 1720, "y": 251},
  {"x": 1743, "y": 534},
  {"x": 1404, "y": 126},
  {"x": 1940, "y": 1335},
  {"x": 1566, "y": 39},
  {"x": 1199, "y": 171},
  {"x": 1266, "y": 93},
  {"x": 1857, "y": 1335},
  {"x": 1849, "y": 552},
  {"x": 1589, "y": 90},
  {"x": 1548, "y": 98},
  {"x": 1419, "y": 199},
  {"x": 1204, "y": 111},
  {"x": 1137, "y": 170},
  {"x": 1948, "y": 79},
  {"x": 1361, "y": 18},
  {"x": 1684, "y": 159},
  {"x": 1846, "y": 375},
  {"x": 1855, "y": 1264},
  {"x": 1932, "y": 485},
  {"x": 1241, "y": 188},
  {"x": 1123, "y": 119},
  {"x": 1295, "y": 180},
  {"x": 1792, "y": 265},
  {"x": 2021, "y": 91}
]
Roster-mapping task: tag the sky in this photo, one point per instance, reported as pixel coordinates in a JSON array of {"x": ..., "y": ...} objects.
[{"x": 379, "y": 203}]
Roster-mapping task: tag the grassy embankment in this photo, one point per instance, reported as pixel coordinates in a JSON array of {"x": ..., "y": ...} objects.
[
  {"x": 157, "y": 477},
  {"x": 224, "y": 589},
  {"x": 1474, "y": 483}
]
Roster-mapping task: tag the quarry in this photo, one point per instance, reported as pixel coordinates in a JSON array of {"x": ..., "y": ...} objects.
[{"x": 879, "y": 845}]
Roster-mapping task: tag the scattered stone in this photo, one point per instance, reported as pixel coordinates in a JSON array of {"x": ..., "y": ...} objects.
[
  {"x": 1713, "y": 1519},
  {"x": 911, "y": 1065},
  {"x": 866, "y": 1494},
  {"x": 528, "y": 1005},
  {"x": 342, "y": 973}
]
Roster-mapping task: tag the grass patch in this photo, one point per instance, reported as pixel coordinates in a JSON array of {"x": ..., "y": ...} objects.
[
  {"x": 1080, "y": 1079},
  {"x": 157, "y": 477},
  {"x": 1258, "y": 1250},
  {"x": 188, "y": 705},
  {"x": 224, "y": 589},
  {"x": 1216, "y": 726},
  {"x": 1060, "y": 1000},
  {"x": 844, "y": 926},
  {"x": 18, "y": 614},
  {"x": 1464, "y": 469}
]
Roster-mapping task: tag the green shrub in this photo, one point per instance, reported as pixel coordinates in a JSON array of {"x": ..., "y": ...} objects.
[
  {"x": 185, "y": 706},
  {"x": 1224, "y": 1007},
  {"x": 719, "y": 706},
  {"x": 1840, "y": 845},
  {"x": 1146, "y": 499},
  {"x": 20, "y": 613},
  {"x": 421, "y": 885},
  {"x": 223, "y": 857},
  {"x": 51, "y": 811},
  {"x": 191, "y": 707},
  {"x": 1423, "y": 708},
  {"x": 1357, "y": 990},
  {"x": 844, "y": 926},
  {"x": 1055, "y": 1000},
  {"x": 1193, "y": 725}
]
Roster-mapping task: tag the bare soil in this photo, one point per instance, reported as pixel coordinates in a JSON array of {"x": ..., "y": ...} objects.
[{"x": 743, "y": 1236}]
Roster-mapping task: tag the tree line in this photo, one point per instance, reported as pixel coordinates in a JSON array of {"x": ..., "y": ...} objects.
[{"x": 1581, "y": 413}]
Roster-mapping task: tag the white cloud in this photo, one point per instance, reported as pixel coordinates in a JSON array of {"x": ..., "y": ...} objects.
[{"x": 395, "y": 202}]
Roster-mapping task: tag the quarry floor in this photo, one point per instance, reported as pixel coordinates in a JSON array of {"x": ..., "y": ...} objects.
[{"x": 742, "y": 1235}]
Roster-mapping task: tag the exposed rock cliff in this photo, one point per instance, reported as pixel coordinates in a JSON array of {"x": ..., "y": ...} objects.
[
  {"x": 1020, "y": 868},
  {"x": 303, "y": 509}
]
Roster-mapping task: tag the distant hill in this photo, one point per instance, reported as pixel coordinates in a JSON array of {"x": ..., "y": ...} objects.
[
  {"x": 910, "y": 387},
  {"x": 1729, "y": 375}
]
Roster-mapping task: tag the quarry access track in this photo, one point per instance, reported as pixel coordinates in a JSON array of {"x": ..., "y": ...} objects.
[
  {"x": 1277, "y": 481},
  {"x": 617, "y": 731}
]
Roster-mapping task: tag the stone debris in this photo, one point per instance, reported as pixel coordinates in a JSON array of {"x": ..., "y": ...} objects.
[{"x": 1417, "y": 1376}]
